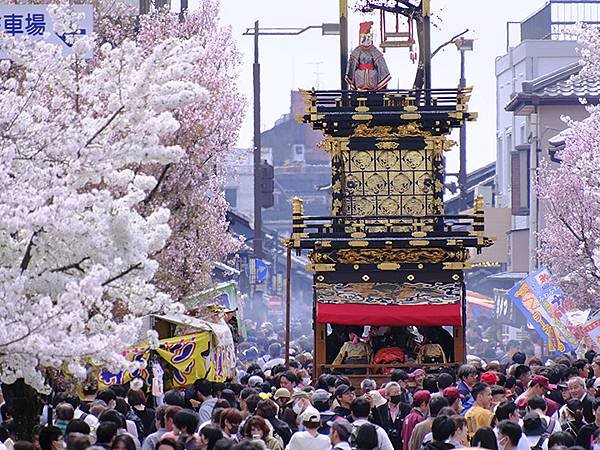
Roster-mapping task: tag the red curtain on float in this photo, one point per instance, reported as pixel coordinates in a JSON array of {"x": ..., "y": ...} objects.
[{"x": 390, "y": 315}]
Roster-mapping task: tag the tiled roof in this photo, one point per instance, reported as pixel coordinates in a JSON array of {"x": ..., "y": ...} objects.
[
  {"x": 556, "y": 87},
  {"x": 560, "y": 83}
]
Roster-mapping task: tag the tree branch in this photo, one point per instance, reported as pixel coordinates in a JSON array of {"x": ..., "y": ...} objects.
[
  {"x": 407, "y": 10},
  {"x": 159, "y": 181},
  {"x": 450, "y": 41},
  {"x": 76, "y": 265},
  {"x": 27, "y": 256},
  {"x": 102, "y": 128},
  {"x": 122, "y": 274}
]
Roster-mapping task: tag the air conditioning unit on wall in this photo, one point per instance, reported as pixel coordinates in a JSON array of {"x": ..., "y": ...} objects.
[{"x": 298, "y": 152}]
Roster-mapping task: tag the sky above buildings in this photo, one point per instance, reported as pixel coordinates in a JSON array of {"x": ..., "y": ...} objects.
[{"x": 311, "y": 59}]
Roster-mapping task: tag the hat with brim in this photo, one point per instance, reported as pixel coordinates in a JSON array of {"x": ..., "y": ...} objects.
[
  {"x": 533, "y": 425},
  {"x": 281, "y": 393},
  {"x": 342, "y": 389},
  {"x": 299, "y": 394},
  {"x": 341, "y": 422},
  {"x": 416, "y": 373}
]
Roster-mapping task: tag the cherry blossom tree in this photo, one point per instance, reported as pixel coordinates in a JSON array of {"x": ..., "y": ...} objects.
[
  {"x": 193, "y": 188},
  {"x": 570, "y": 191},
  {"x": 79, "y": 141}
]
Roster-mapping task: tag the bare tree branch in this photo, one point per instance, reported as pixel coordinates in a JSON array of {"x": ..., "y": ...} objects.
[
  {"x": 122, "y": 274},
  {"x": 76, "y": 265},
  {"x": 101, "y": 129},
  {"x": 27, "y": 256},
  {"x": 150, "y": 195},
  {"x": 448, "y": 42}
]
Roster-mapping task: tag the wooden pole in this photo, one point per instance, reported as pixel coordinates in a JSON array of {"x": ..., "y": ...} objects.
[
  {"x": 343, "y": 43},
  {"x": 288, "y": 302}
]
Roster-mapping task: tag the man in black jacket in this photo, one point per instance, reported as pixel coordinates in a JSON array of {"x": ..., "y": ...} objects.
[
  {"x": 585, "y": 436},
  {"x": 579, "y": 392},
  {"x": 390, "y": 416}
]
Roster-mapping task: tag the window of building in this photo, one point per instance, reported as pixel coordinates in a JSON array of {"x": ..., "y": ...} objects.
[
  {"x": 520, "y": 180},
  {"x": 231, "y": 196}
]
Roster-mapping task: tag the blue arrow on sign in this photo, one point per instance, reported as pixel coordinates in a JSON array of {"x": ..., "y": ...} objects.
[
  {"x": 67, "y": 37},
  {"x": 257, "y": 270}
]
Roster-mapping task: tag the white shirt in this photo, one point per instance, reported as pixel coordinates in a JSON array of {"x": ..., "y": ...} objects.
[
  {"x": 303, "y": 440},
  {"x": 383, "y": 440},
  {"x": 523, "y": 442},
  {"x": 273, "y": 362},
  {"x": 533, "y": 440}
]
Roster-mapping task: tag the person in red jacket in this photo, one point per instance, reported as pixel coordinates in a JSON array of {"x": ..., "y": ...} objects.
[{"x": 417, "y": 415}]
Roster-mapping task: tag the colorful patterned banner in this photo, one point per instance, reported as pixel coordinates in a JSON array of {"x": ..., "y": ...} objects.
[
  {"x": 409, "y": 294},
  {"x": 592, "y": 331},
  {"x": 188, "y": 357},
  {"x": 543, "y": 306}
]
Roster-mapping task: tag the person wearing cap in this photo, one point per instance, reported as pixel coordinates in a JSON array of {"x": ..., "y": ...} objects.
[
  {"x": 255, "y": 381},
  {"x": 296, "y": 406},
  {"x": 454, "y": 397},
  {"x": 571, "y": 417},
  {"x": 339, "y": 433},
  {"x": 282, "y": 396},
  {"x": 418, "y": 376},
  {"x": 539, "y": 387},
  {"x": 391, "y": 414},
  {"x": 480, "y": 415},
  {"x": 309, "y": 439},
  {"x": 539, "y": 405},
  {"x": 490, "y": 378},
  {"x": 344, "y": 395},
  {"x": 535, "y": 430},
  {"x": 417, "y": 415},
  {"x": 320, "y": 400},
  {"x": 401, "y": 377}
]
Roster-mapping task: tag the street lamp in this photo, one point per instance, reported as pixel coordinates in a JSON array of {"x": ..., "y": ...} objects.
[
  {"x": 327, "y": 29},
  {"x": 463, "y": 45}
]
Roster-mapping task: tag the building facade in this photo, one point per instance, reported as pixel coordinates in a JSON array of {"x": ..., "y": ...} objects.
[{"x": 533, "y": 91}]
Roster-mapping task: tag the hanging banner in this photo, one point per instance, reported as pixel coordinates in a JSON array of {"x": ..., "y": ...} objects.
[
  {"x": 542, "y": 304},
  {"x": 188, "y": 358},
  {"x": 592, "y": 331}
]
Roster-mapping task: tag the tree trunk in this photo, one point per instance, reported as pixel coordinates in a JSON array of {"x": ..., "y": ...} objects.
[{"x": 25, "y": 405}]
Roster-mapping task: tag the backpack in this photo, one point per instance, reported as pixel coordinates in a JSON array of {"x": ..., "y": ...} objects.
[
  {"x": 545, "y": 435},
  {"x": 431, "y": 353}
]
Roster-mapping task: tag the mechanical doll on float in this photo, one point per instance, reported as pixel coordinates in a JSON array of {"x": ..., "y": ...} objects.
[{"x": 367, "y": 70}]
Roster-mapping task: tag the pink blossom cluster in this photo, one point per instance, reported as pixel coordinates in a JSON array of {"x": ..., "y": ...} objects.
[{"x": 570, "y": 193}]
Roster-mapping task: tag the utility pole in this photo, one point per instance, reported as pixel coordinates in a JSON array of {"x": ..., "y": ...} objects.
[
  {"x": 343, "y": 43},
  {"x": 258, "y": 237},
  {"x": 462, "y": 173},
  {"x": 426, "y": 12}
]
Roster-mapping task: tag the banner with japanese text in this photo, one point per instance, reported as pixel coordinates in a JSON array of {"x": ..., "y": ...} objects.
[
  {"x": 592, "y": 331},
  {"x": 543, "y": 305}
]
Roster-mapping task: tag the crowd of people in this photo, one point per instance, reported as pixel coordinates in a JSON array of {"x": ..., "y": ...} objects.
[{"x": 514, "y": 402}]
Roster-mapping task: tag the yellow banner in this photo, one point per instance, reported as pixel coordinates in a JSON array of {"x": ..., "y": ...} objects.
[{"x": 188, "y": 357}]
